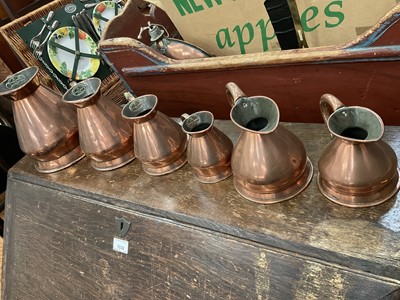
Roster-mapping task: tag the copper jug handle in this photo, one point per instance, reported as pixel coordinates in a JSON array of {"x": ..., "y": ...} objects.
[
  {"x": 233, "y": 93},
  {"x": 129, "y": 97},
  {"x": 328, "y": 104},
  {"x": 184, "y": 117}
]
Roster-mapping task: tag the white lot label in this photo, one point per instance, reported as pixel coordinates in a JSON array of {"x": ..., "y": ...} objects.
[{"x": 120, "y": 245}]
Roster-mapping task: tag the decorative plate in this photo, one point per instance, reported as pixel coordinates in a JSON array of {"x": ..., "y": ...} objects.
[
  {"x": 103, "y": 12},
  {"x": 61, "y": 48}
]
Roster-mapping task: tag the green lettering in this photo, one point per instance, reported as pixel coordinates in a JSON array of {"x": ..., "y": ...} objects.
[
  {"x": 226, "y": 39},
  {"x": 209, "y": 3},
  {"x": 239, "y": 33},
  {"x": 305, "y": 19},
  {"x": 334, "y": 14},
  {"x": 182, "y": 6},
  {"x": 196, "y": 7},
  {"x": 263, "y": 29}
]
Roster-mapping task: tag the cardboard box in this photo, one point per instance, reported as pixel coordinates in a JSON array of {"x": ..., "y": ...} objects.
[
  {"x": 228, "y": 27},
  {"x": 333, "y": 22},
  {"x": 223, "y": 27}
]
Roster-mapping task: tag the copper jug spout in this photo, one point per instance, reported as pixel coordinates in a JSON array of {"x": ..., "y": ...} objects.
[
  {"x": 357, "y": 169},
  {"x": 269, "y": 163},
  {"x": 209, "y": 150},
  {"x": 105, "y": 137},
  {"x": 160, "y": 143},
  {"x": 47, "y": 129}
]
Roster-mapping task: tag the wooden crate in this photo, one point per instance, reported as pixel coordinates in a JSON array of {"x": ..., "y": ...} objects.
[
  {"x": 189, "y": 240},
  {"x": 111, "y": 86}
]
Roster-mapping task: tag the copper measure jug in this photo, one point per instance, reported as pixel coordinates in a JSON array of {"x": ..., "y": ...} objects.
[
  {"x": 269, "y": 162},
  {"x": 209, "y": 150},
  {"x": 356, "y": 169},
  {"x": 105, "y": 137},
  {"x": 47, "y": 129},
  {"x": 160, "y": 143}
]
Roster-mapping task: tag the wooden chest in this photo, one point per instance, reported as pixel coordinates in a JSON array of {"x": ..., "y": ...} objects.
[{"x": 188, "y": 240}]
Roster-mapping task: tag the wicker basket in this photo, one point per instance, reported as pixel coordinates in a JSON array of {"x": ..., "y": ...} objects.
[{"x": 111, "y": 86}]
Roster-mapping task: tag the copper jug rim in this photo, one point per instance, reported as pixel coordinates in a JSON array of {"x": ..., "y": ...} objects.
[
  {"x": 358, "y": 201},
  {"x": 356, "y": 140},
  {"x": 19, "y": 91},
  {"x": 269, "y": 130},
  {"x": 257, "y": 117},
  {"x": 276, "y": 196},
  {"x": 190, "y": 122},
  {"x": 76, "y": 94},
  {"x": 139, "y": 111},
  {"x": 60, "y": 163}
]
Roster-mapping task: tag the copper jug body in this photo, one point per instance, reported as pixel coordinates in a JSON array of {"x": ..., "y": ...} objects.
[
  {"x": 357, "y": 168},
  {"x": 160, "y": 143},
  {"x": 209, "y": 150},
  {"x": 47, "y": 129},
  {"x": 269, "y": 162},
  {"x": 105, "y": 137}
]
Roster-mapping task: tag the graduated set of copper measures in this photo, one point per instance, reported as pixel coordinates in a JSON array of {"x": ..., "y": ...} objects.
[{"x": 269, "y": 163}]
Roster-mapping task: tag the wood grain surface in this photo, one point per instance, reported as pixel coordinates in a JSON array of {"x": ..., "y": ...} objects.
[{"x": 193, "y": 240}]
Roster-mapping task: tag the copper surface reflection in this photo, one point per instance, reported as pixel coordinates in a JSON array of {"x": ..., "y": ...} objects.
[
  {"x": 47, "y": 129},
  {"x": 357, "y": 169},
  {"x": 269, "y": 162},
  {"x": 160, "y": 143},
  {"x": 105, "y": 137},
  {"x": 209, "y": 150}
]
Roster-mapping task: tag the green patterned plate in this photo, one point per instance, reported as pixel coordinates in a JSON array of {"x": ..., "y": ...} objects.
[
  {"x": 103, "y": 12},
  {"x": 73, "y": 53}
]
